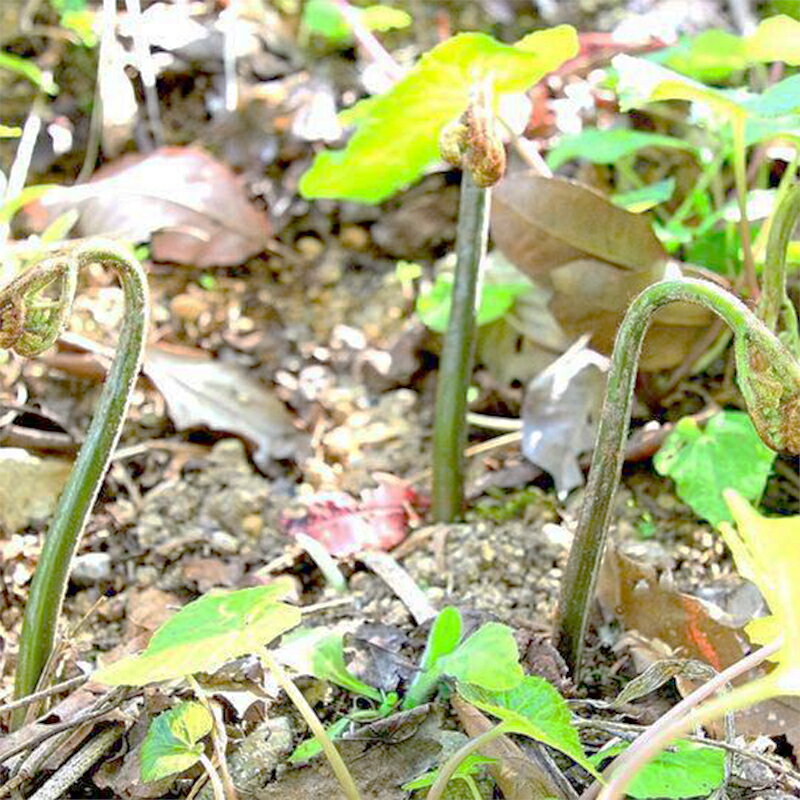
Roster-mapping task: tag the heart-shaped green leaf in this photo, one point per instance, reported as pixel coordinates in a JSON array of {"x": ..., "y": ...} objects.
[
  {"x": 207, "y": 633},
  {"x": 535, "y": 709},
  {"x": 172, "y": 743}
]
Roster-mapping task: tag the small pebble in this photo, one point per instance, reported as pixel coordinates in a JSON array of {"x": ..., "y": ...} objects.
[{"x": 91, "y": 568}]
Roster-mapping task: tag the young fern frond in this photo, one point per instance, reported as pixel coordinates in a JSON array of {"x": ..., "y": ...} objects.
[{"x": 29, "y": 325}]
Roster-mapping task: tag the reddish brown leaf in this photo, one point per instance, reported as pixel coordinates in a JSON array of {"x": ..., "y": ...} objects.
[
  {"x": 344, "y": 525},
  {"x": 195, "y": 210}
]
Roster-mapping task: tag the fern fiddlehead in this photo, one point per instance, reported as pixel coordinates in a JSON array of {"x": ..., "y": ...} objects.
[{"x": 29, "y": 324}]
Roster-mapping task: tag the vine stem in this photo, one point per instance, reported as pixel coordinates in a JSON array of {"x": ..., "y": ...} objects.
[
  {"x": 585, "y": 556},
  {"x": 740, "y": 177},
  {"x": 340, "y": 769},
  {"x": 69, "y": 520},
  {"x": 684, "y": 716},
  {"x": 450, "y": 429},
  {"x": 448, "y": 769}
]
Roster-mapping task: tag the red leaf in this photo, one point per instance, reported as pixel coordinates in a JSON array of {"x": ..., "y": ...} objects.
[{"x": 345, "y": 525}]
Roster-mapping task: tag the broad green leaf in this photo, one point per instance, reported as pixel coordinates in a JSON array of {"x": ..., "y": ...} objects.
[
  {"x": 775, "y": 39},
  {"x": 685, "y": 770},
  {"x": 27, "y": 69},
  {"x": 535, "y": 709},
  {"x": 489, "y": 659},
  {"x": 496, "y": 299},
  {"x": 712, "y": 55},
  {"x": 470, "y": 766},
  {"x": 763, "y": 129},
  {"x": 320, "y": 652},
  {"x": 172, "y": 743},
  {"x": 207, "y": 633},
  {"x": 399, "y": 136},
  {"x": 639, "y": 200},
  {"x": 780, "y": 99},
  {"x": 608, "y": 147},
  {"x": 727, "y": 454}
]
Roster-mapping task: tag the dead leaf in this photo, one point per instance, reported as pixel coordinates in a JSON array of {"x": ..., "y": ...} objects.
[
  {"x": 595, "y": 257},
  {"x": 561, "y": 412},
  {"x": 29, "y": 488},
  {"x": 345, "y": 526},
  {"x": 541, "y": 223},
  {"x": 201, "y": 393},
  {"x": 210, "y": 573},
  {"x": 192, "y": 208}
]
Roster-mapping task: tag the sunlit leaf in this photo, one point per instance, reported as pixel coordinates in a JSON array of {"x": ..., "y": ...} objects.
[
  {"x": 320, "y": 652},
  {"x": 727, "y": 454},
  {"x": 28, "y": 69},
  {"x": 172, "y": 743},
  {"x": 639, "y": 200},
  {"x": 535, "y": 709},
  {"x": 489, "y": 658},
  {"x": 399, "y": 136},
  {"x": 685, "y": 770},
  {"x": 608, "y": 147},
  {"x": 207, "y": 633},
  {"x": 775, "y": 39}
]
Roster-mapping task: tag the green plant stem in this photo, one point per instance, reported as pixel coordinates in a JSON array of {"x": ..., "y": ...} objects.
[
  {"x": 315, "y": 726},
  {"x": 683, "y": 717},
  {"x": 448, "y": 769},
  {"x": 740, "y": 176},
  {"x": 52, "y": 572},
  {"x": 774, "y": 299},
  {"x": 586, "y": 553},
  {"x": 450, "y": 430},
  {"x": 708, "y": 173}
]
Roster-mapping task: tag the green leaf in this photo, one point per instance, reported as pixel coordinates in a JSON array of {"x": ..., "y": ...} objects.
[
  {"x": 311, "y": 748},
  {"x": 685, "y": 770},
  {"x": 496, "y": 299},
  {"x": 207, "y": 633},
  {"x": 728, "y": 454},
  {"x": 710, "y": 56},
  {"x": 10, "y": 132},
  {"x": 775, "y": 39},
  {"x": 608, "y": 147},
  {"x": 172, "y": 743},
  {"x": 535, "y": 709},
  {"x": 320, "y": 652},
  {"x": 470, "y": 766},
  {"x": 399, "y": 136},
  {"x": 384, "y": 18},
  {"x": 443, "y": 638},
  {"x": 324, "y": 18},
  {"x": 489, "y": 659},
  {"x": 27, "y": 195},
  {"x": 29, "y": 70},
  {"x": 640, "y": 200},
  {"x": 780, "y": 99}
]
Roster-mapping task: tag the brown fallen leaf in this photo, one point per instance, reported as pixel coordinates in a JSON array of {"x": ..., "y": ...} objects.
[
  {"x": 191, "y": 208},
  {"x": 201, "y": 393},
  {"x": 594, "y": 257}
]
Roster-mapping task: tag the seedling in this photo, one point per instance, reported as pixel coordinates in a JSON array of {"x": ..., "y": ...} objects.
[
  {"x": 769, "y": 379},
  {"x": 29, "y": 325}
]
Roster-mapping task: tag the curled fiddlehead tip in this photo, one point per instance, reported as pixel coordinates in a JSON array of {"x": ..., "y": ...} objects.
[
  {"x": 770, "y": 384},
  {"x": 30, "y": 323}
]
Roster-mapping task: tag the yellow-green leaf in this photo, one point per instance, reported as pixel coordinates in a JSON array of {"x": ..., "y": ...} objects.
[
  {"x": 397, "y": 134},
  {"x": 172, "y": 743},
  {"x": 207, "y": 633}
]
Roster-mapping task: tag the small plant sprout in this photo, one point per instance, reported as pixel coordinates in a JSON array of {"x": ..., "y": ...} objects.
[
  {"x": 769, "y": 379},
  {"x": 29, "y": 324}
]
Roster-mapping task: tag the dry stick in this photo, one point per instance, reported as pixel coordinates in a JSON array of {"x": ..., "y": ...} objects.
[
  {"x": 681, "y": 718},
  {"x": 64, "y": 686}
]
